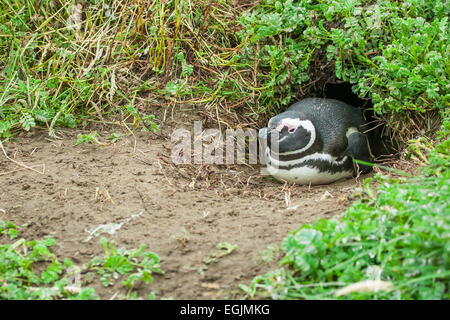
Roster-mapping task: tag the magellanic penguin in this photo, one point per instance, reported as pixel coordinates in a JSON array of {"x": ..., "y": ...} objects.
[{"x": 314, "y": 142}]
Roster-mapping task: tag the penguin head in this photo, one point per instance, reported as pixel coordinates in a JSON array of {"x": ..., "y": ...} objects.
[{"x": 290, "y": 131}]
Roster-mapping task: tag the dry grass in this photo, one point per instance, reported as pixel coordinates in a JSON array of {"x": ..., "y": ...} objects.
[{"x": 120, "y": 59}]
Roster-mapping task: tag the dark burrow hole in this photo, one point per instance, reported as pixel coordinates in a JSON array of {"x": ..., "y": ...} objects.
[{"x": 382, "y": 146}]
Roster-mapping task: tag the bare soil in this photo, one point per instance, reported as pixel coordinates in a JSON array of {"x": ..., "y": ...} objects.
[{"x": 185, "y": 211}]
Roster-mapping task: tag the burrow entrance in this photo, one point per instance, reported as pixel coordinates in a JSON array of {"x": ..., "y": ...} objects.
[{"x": 382, "y": 145}]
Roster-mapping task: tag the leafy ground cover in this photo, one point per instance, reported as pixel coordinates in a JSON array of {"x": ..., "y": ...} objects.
[
  {"x": 397, "y": 234},
  {"x": 72, "y": 63},
  {"x": 29, "y": 269},
  {"x": 68, "y": 63}
]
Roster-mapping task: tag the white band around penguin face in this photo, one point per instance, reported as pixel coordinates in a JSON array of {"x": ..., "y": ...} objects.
[{"x": 295, "y": 122}]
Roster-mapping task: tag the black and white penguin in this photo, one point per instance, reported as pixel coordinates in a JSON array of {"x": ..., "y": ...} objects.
[{"x": 314, "y": 141}]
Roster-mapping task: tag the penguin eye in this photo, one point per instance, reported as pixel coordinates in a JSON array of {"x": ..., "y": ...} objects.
[{"x": 292, "y": 129}]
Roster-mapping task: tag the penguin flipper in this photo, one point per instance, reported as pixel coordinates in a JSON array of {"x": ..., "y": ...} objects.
[{"x": 358, "y": 148}]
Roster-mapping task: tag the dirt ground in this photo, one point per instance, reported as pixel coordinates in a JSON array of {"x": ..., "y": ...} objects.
[{"x": 179, "y": 212}]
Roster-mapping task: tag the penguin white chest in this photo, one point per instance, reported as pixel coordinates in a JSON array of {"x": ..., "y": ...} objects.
[
  {"x": 300, "y": 172},
  {"x": 307, "y": 175}
]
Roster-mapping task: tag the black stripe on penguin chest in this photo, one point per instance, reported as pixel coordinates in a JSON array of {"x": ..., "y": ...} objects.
[
  {"x": 326, "y": 166},
  {"x": 322, "y": 165},
  {"x": 321, "y": 160},
  {"x": 325, "y": 157}
]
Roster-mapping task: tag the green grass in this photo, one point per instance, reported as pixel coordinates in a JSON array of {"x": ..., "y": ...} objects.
[
  {"x": 29, "y": 269},
  {"x": 395, "y": 53},
  {"x": 398, "y": 232},
  {"x": 66, "y": 65},
  {"x": 63, "y": 65}
]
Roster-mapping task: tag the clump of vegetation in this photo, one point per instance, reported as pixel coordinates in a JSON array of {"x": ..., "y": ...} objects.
[
  {"x": 29, "y": 270},
  {"x": 395, "y": 53},
  {"x": 138, "y": 264},
  {"x": 69, "y": 61},
  {"x": 398, "y": 234},
  {"x": 224, "y": 249}
]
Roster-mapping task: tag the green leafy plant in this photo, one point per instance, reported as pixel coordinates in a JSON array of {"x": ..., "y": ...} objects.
[
  {"x": 401, "y": 231},
  {"x": 54, "y": 74},
  {"x": 394, "y": 53},
  {"x": 8, "y": 228},
  {"x": 29, "y": 270},
  {"x": 114, "y": 137},
  {"x": 106, "y": 59},
  {"x": 147, "y": 120},
  {"x": 225, "y": 249},
  {"x": 87, "y": 138},
  {"x": 20, "y": 263},
  {"x": 138, "y": 265}
]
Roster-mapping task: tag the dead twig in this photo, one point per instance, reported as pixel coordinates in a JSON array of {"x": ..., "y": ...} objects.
[
  {"x": 38, "y": 165},
  {"x": 20, "y": 163}
]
